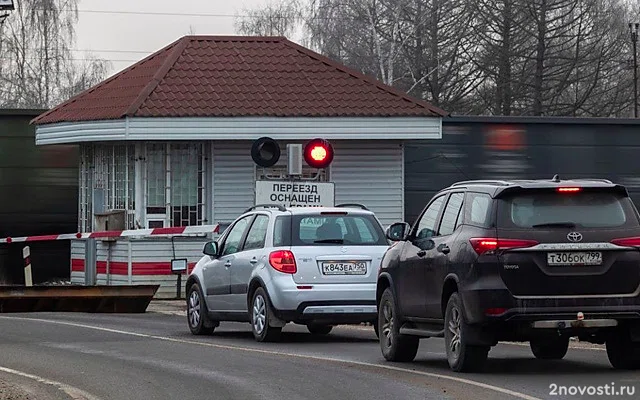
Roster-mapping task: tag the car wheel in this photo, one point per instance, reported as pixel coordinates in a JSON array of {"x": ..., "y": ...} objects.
[
  {"x": 319, "y": 329},
  {"x": 197, "y": 317},
  {"x": 394, "y": 346},
  {"x": 260, "y": 314},
  {"x": 622, "y": 352},
  {"x": 462, "y": 356},
  {"x": 550, "y": 348}
]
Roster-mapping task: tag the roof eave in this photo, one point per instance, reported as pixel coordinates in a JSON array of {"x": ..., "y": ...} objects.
[{"x": 241, "y": 128}]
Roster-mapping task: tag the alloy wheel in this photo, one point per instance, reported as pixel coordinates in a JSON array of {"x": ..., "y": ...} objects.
[
  {"x": 194, "y": 308},
  {"x": 454, "y": 328},
  {"x": 387, "y": 323},
  {"x": 259, "y": 314}
]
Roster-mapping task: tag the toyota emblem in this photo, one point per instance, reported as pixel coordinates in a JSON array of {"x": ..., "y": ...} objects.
[{"x": 574, "y": 236}]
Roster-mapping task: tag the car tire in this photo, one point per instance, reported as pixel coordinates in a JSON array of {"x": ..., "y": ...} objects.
[
  {"x": 462, "y": 356},
  {"x": 550, "y": 348},
  {"x": 197, "y": 312},
  {"x": 316, "y": 329},
  {"x": 622, "y": 352},
  {"x": 394, "y": 346},
  {"x": 260, "y": 315},
  {"x": 376, "y": 328}
]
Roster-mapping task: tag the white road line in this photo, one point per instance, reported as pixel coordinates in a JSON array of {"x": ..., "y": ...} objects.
[
  {"x": 73, "y": 392},
  {"x": 572, "y": 345},
  {"x": 277, "y": 353}
]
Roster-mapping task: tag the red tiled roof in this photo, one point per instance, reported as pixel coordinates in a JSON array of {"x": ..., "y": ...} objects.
[{"x": 236, "y": 76}]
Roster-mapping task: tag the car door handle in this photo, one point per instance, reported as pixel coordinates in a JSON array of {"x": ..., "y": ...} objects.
[
  {"x": 227, "y": 264},
  {"x": 444, "y": 249},
  {"x": 253, "y": 260},
  {"x": 422, "y": 253}
]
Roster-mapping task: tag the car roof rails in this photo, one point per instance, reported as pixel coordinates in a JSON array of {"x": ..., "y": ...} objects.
[
  {"x": 482, "y": 182},
  {"x": 353, "y": 205},
  {"x": 280, "y": 207},
  {"x": 597, "y": 180}
]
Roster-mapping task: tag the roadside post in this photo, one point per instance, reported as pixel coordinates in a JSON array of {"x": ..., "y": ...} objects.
[
  {"x": 90, "y": 261},
  {"x": 26, "y": 254},
  {"x": 178, "y": 267}
]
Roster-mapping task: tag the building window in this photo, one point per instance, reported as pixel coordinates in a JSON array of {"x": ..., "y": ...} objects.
[
  {"x": 175, "y": 184},
  {"x": 106, "y": 182}
]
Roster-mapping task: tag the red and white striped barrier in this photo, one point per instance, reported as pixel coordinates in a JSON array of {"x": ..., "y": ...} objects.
[{"x": 172, "y": 231}]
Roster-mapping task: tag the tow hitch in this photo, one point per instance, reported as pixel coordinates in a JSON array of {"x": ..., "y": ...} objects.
[{"x": 579, "y": 322}]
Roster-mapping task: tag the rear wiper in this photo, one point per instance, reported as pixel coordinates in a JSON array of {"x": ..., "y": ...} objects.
[
  {"x": 555, "y": 224},
  {"x": 336, "y": 241}
]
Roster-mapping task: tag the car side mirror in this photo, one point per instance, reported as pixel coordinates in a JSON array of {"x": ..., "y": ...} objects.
[
  {"x": 398, "y": 231},
  {"x": 211, "y": 249}
]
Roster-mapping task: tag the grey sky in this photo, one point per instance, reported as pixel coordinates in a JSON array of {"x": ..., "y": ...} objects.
[{"x": 126, "y": 38}]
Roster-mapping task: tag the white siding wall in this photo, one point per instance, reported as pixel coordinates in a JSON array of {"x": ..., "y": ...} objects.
[
  {"x": 370, "y": 173},
  {"x": 142, "y": 250},
  {"x": 233, "y": 180},
  {"x": 365, "y": 172}
]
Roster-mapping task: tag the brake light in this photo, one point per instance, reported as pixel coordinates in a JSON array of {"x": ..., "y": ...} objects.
[
  {"x": 283, "y": 261},
  {"x": 627, "y": 242},
  {"x": 569, "y": 189},
  {"x": 490, "y": 245},
  {"x": 495, "y": 311}
]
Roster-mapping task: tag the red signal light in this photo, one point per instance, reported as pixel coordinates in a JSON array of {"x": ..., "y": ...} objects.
[{"x": 318, "y": 153}]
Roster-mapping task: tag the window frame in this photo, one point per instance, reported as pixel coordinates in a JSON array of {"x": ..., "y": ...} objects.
[
  {"x": 243, "y": 237},
  {"x": 467, "y": 210},
  {"x": 414, "y": 229},
  {"x": 250, "y": 227},
  {"x": 456, "y": 222}
]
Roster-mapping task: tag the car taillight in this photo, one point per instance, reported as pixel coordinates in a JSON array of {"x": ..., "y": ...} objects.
[
  {"x": 627, "y": 242},
  {"x": 568, "y": 190},
  {"x": 283, "y": 261},
  {"x": 490, "y": 245}
]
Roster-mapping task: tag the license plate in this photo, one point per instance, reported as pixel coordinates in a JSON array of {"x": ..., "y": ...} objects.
[
  {"x": 344, "y": 268},
  {"x": 579, "y": 258}
]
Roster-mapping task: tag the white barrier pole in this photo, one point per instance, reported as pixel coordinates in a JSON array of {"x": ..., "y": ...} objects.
[{"x": 26, "y": 254}]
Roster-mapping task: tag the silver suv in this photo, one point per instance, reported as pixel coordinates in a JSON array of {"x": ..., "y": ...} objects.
[{"x": 314, "y": 266}]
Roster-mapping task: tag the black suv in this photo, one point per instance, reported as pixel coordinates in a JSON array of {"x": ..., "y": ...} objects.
[{"x": 535, "y": 261}]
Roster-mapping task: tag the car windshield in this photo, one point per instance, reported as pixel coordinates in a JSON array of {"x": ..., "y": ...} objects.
[
  {"x": 587, "y": 210},
  {"x": 314, "y": 230}
]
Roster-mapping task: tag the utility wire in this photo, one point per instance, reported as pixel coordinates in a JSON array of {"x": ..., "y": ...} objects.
[{"x": 167, "y": 14}]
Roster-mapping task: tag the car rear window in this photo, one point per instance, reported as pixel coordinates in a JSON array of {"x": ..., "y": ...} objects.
[
  {"x": 586, "y": 209},
  {"x": 349, "y": 229}
]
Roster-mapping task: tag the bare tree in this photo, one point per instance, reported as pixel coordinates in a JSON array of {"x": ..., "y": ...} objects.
[
  {"x": 275, "y": 19},
  {"x": 440, "y": 51},
  {"x": 504, "y": 57},
  {"x": 38, "y": 69},
  {"x": 500, "y": 55}
]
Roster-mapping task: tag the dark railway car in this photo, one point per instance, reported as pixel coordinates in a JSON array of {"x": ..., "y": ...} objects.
[
  {"x": 522, "y": 147},
  {"x": 38, "y": 195}
]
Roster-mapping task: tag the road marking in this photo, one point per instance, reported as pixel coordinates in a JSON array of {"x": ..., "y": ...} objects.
[
  {"x": 73, "y": 392},
  {"x": 572, "y": 345},
  {"x": 277, "y": 353}
]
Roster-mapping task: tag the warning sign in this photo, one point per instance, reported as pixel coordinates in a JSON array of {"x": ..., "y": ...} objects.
[{"x": 295, "y": 194}]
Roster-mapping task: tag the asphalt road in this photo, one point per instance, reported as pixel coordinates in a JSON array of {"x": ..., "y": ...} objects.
[{"x": 153, "y": 356}]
